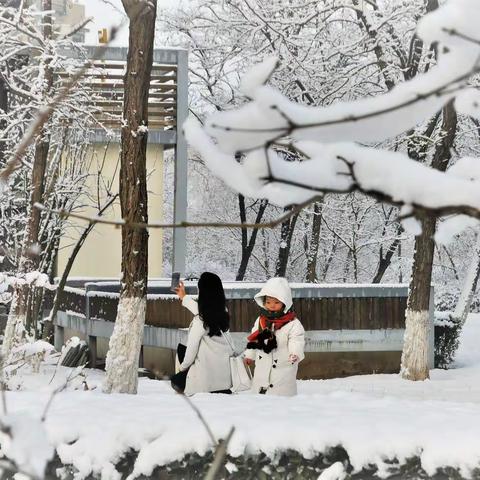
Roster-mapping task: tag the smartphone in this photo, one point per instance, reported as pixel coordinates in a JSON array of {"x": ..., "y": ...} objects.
[{"x": 175, "y": 281}]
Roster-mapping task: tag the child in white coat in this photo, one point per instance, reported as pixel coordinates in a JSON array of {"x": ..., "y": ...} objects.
[{"x": 277, "y": 341}]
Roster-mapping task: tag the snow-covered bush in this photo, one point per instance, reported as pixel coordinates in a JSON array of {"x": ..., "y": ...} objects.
[
  {"x": 333, "y": 464},
  {"x": 447, "y": 339},
  {"x": 25, "y": 447}
]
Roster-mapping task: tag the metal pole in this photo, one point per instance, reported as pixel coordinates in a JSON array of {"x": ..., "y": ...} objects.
[{"x": 180, "y": 186}]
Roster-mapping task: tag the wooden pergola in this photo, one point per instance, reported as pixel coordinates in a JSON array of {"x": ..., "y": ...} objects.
[
  {"x": 167, "y": 110},
  {"x": 105, "y": 78}
]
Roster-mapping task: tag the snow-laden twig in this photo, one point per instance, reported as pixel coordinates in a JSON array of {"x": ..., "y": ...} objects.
[
  {"x": 74, "y": 373},
  {"x": 200, "y": 417}
]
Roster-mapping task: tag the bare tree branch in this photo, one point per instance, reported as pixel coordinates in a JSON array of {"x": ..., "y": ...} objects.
[
  {"x": 220, "y": 454},
  {"x": 118, "y": 223}
]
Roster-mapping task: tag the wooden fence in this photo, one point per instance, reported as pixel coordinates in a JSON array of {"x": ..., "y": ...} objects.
[
  {"x": 350, "y": 329},
  {"x": 340, "y": 308}
]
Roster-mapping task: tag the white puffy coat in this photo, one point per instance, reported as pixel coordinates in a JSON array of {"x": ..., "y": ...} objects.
[
  {"x": 273, "y": 371},
  {"x": 207, "y": 357}
]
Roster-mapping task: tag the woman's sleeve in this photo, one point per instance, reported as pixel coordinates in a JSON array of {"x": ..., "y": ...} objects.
[
  {"x": 195, "y": 335},
  {"x": 296, "y": 340},
  {"x": 251, "y": 352},
  {"x": 190, "y": 303}
]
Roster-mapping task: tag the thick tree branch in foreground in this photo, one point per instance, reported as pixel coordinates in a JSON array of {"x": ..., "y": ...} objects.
[
  {"x": 416, "y": 210},
  {"x": 292, "y": 126}
]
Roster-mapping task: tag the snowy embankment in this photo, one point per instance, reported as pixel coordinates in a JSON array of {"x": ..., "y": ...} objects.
[{"x": 374, "y": 417}]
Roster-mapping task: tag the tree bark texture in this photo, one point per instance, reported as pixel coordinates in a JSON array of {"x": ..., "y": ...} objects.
[
  {"x": 312, "y": 254},
  {"x": 286, "y": 233},
  {"x": 414, "y": 365},
  {"x": 248, "y": 244},
  {"x": 385, "y": 261},
  {"x": 126, "y": 340}
]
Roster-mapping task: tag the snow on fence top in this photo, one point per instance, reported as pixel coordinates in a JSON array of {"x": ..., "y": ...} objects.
[
  {"x": 160, "y": 289},
  {"x": 319, "y": 307}
]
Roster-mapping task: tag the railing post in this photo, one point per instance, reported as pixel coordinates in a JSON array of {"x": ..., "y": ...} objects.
[
  {"x": 140, "y": 358},
  {"x": 92, "y": 351},
  {"x": 90, "y": 339},
  {"x": 431, "y": 343},
  {"x": 180, "y": 166},
  {"x": 59, "y": 337}
]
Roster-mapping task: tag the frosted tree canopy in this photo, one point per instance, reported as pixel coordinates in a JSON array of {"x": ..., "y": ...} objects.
[{"x": 332, "y": 142}]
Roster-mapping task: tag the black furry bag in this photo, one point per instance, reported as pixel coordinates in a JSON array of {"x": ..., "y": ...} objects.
[{"x": 265, "y": 341}]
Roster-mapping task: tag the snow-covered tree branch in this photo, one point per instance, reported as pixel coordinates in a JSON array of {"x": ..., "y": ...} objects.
[{"x": 323, "y": 136}]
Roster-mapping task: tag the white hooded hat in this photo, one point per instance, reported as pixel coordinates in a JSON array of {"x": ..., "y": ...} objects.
[{"x": 277, "y": 287}]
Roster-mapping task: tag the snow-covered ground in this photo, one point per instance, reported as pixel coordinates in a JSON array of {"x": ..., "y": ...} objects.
[{"x": 374, "y": 417}]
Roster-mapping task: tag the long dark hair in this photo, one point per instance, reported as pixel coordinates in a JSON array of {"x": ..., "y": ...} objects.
[{"x": 211, "y": 304}]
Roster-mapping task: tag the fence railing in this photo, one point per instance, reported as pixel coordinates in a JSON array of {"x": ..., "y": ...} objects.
[{"x": 343, "y": 318}]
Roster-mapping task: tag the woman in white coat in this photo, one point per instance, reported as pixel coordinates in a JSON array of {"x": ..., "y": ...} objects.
[
  {"x": 205, "y": 366},
  {"x": 277, "y": 342}
]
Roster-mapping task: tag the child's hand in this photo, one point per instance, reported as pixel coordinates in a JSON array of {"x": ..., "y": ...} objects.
[
  {"x": 292, "y": 358},
  {"x": 180, "y": 290},
  {"x": 248, "y": 361}
]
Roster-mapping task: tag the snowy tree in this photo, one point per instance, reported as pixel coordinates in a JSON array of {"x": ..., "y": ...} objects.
[
  {"x": 126, "y": 340},
  {"x": 53, "y": 171},
  {"x": 327, "y": 51},
  {"x": 323, "y": 138}
]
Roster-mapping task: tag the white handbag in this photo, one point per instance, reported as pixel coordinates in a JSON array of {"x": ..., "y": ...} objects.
[{"x": 241, "y": 375}]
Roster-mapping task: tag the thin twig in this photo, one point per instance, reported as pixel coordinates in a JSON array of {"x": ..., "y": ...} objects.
[
  {"x": 201, "y": 417},
  {"x": 122, "y": 223},
  {"x": 2, "y": 385},
  {"x": 455, "y": 33},
  {"x": 220, "y": 454},
  {"x": 58, "y": 390},
  {"x": 76, "y": 28}
]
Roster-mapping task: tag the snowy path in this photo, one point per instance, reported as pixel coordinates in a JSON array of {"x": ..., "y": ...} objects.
[{"x": 373, "y": 417}]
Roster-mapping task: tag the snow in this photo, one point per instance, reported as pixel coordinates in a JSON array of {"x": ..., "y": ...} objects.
[
  {"x": 25, "y": 442},
  {"x": 468, "y": 103},
  {"x": 374, "y": 417},
  {"x": 334, "y": 472},
  {"x": 396, "y": 111},
  {"x": 28, "y": 349},
  {"x": 94, "y": 293},
  {"x": 258, "y": 76}
]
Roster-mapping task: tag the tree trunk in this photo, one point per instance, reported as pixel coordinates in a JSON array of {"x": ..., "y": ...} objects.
[
  {"x": 462, "y": 308},
  {"x": 126, "y": 340},
  {"x": 330, "y": 258},
  {"x": 4, "y": 109},
  {"x": 287, "y": 229},
  {"x": 386, "y": 260},
  {"x": 417, "y": 320},
  {"x": 414, "y": 365},
  {"x": 248, "y": 244},
  {"x": 312, "y": 253},
  {"x": 17, "y": 323}
]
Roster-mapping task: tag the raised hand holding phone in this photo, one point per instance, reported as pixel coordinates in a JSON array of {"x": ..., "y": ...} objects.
[
  {"x": 175, "y": 281},
  {"x": 177, "y": 286}
]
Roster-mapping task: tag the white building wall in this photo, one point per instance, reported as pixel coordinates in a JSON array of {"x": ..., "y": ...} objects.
[{"x": 100, "y": 256}]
